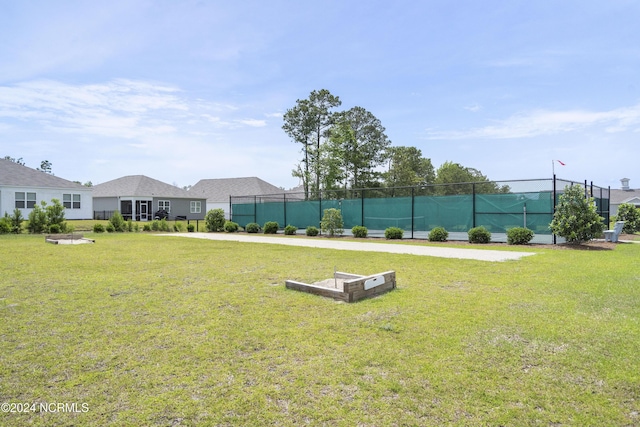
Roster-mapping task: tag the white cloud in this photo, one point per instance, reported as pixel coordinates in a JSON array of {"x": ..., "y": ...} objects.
[
  {"x": 253, "y": 122},
  {"x": 117, "y": 109},
  {"x": 544, "y": 122},
  {"x": 474, "y": 108}
]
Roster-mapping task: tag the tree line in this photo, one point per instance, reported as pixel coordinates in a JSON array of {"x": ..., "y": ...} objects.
[{"x": 349, "y": 149}]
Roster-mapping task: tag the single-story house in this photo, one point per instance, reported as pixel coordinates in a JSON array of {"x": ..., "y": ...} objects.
[
  {"x": 139, "y": 197},
  {"x": 22, "y": 187},
  {"x": 218, "y": 191},
  {"x": 624, "y": 195}
]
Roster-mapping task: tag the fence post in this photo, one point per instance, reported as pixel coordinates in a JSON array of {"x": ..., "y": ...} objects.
[
  {"x": 473, "y": 192},
  {"x": 255, "y": 209},
  {"x": 553, "y": 208},
  {"x": 284, "y": 205},
  {"x": 412, "y": 211},
  {"x": 362, "y": 208},
  {"x": 319, "y": 207}
]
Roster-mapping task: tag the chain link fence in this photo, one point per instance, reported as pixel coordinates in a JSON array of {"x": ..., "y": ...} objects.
[{"x": 496, "y": 205}]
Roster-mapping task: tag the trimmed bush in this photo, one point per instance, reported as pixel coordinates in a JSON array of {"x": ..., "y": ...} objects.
[
  {"x": 191, "y": 228},
  {"x": 117, "y": 221},
  {"x": 178, "y": 227},
  {"x": 146, "y": 227},
  {"x": 98, "y": 228},
  {"x": 631, "y": 217},
  {"x": 252, "y": 227},
  {"x": 479, "y": 235},
  {"x": 110, "y": 228},
  {"x": 393, "y": 233},
  {"x": 215, "y": 220},
  {"x": 519, "y": 236},
  {"x": 230, "y": 227},
  {"x": 54, "y": 229},
  {"x": 312, "y": 231},
  {"x": 438, "y": 234},
  {"x": 359, "y": 231},
  {"x": 155, "y": 225},
  {"x": 290, "y": 230},
  {"x": 332, "y": 222},
  {"x": 576, "y": 217},
  {"x": 271, "y": 227}
]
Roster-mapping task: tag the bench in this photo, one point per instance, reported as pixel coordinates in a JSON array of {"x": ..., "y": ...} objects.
[{"x": 612, "y": 235}]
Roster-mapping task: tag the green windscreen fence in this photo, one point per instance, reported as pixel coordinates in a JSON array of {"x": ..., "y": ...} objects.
[{"x": 456, "y": 213}]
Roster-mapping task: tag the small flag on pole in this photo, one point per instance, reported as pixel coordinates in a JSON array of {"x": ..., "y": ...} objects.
[{"x": 560, "y": 162}]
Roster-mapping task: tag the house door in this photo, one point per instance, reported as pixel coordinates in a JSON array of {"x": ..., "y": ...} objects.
[{"x": 144, "y": 214}]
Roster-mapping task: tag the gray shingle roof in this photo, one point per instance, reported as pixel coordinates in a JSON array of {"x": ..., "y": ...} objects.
[
  {"x": 22, "y": 176},
  {"x": 622, "y": 196},
  {"x": 219, "y": 190},
  {"x": 139, "y": 186}
]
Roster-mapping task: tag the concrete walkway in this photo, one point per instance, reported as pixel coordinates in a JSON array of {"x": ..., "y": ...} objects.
[{"x": 364, "y": 246}]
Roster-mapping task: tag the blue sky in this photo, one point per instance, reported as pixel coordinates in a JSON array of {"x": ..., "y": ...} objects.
[{"x": 185, "y": 90}]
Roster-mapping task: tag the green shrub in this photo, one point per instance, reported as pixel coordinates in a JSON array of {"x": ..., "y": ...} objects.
[
  {"x": 631, "y": 217},
  {"x": 230, "y": 227},
  {"x": 479, "y": 235},
  {"x": 5, "y": 224},
  {"x": 312, "y": 231},
  {"x": 130, "y": 226},
  {"x": 576, "y": 218},
  {"x": 519, "y": 236},
  {"x": 214, "y": 220},
  {"x": 163, "y": 225},
  {"x": 110, "y": 228},
  {"x": 271, "y": 227},
  {"x": 117, "y": 221},
  {"x": 147, "y": 227},
  {"x": 191, "y": 228},
  {"x": 178, "y": 227},
  {"x": 332, "y": 222},
  {"x": 15, "y": 221},
  {"x": 37, "y": 220},
  {"x": 359, "y": 231},
  {"x": 252, "y": 227},
  {"x": 290, "y": 230},
  {"x": 98, "y": 228},
  {"x": 54, "y": 229},
  {"x": 438, "y": 234},
  {"x": 393, "y": 233},
  {"x": 155, "y": 225},
  {"x": 55, "y": 216}
]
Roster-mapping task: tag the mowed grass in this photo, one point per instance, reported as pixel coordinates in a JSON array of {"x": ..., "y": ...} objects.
[{"x": 167, "y": 331}]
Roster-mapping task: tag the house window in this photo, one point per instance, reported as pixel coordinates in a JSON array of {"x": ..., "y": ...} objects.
[
  {"x": 196, "y": 206},
  {"x": 71, "y": 201},
  {"x": 164, "y": 205},
  {"x": 27, "y": 200},
  {"x": 20, "y": 200}
]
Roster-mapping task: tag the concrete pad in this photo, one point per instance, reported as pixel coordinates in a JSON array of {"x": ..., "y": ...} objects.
[{"x": 364, "y": 246}]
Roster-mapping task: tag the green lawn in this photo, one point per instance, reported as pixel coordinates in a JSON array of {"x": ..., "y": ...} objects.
[{"x": 165, "y": 331}]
